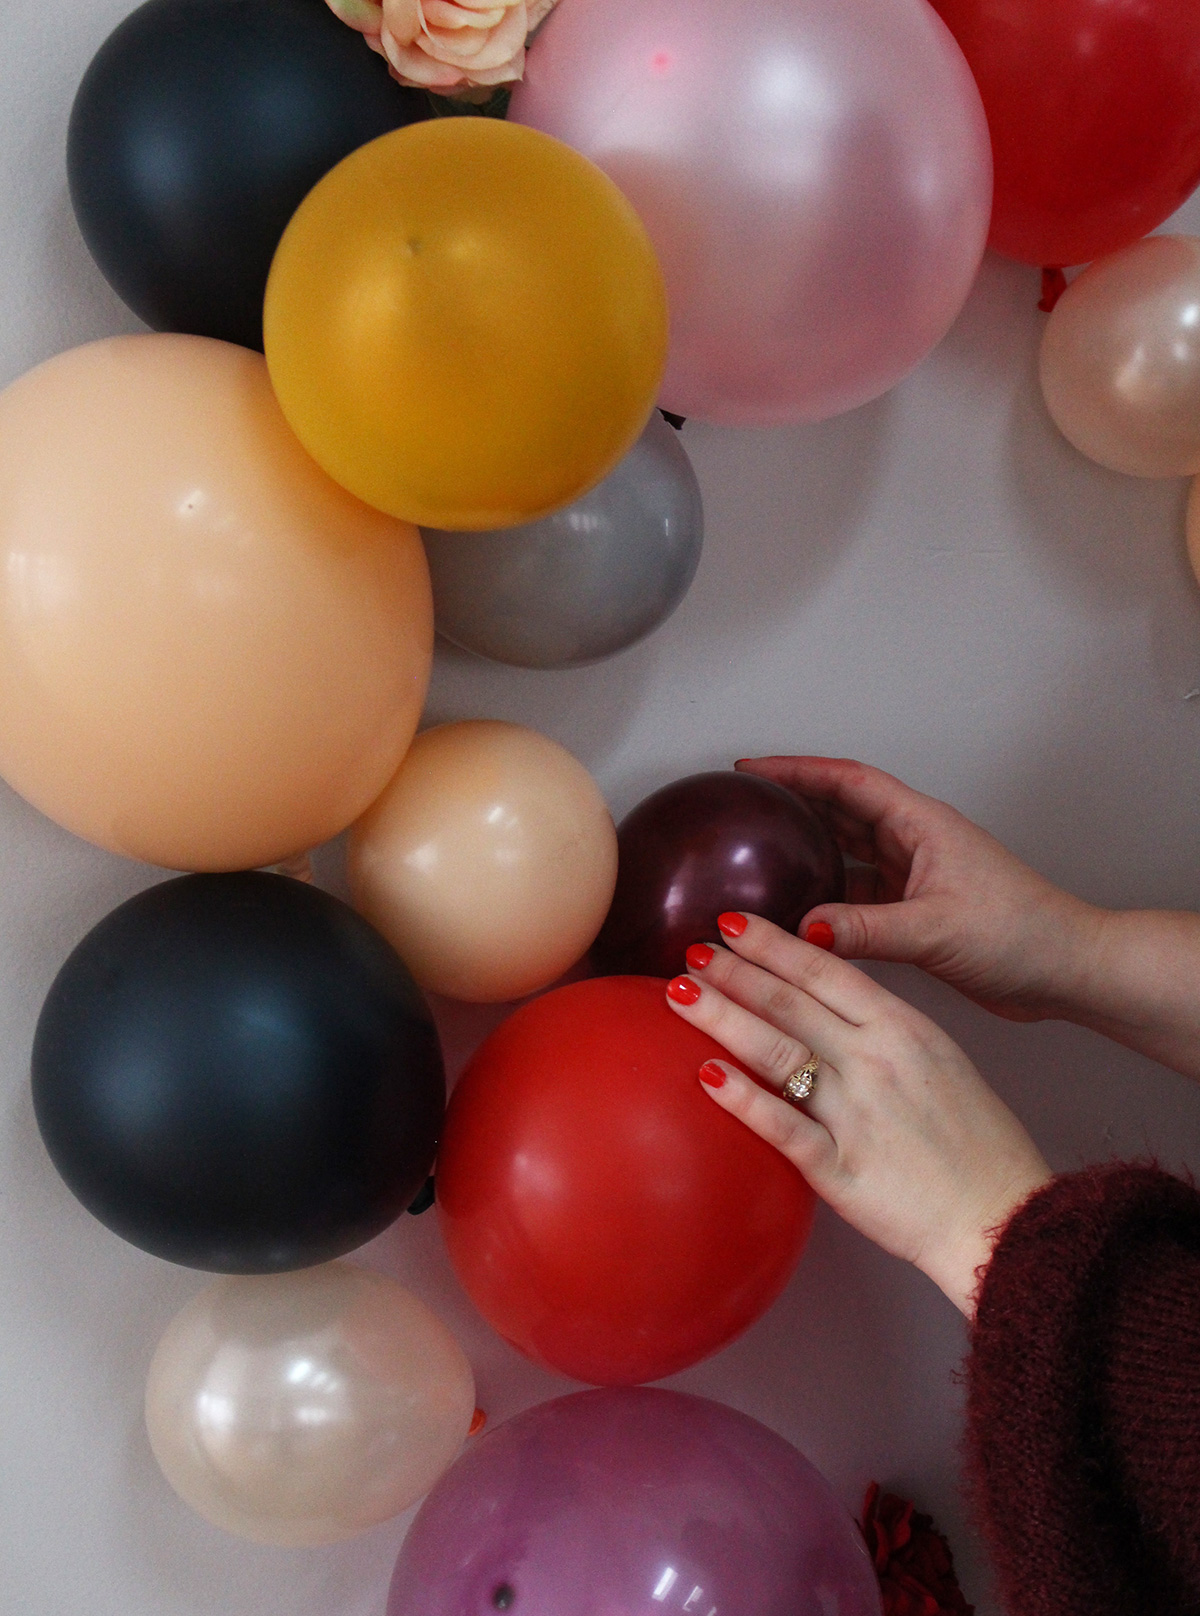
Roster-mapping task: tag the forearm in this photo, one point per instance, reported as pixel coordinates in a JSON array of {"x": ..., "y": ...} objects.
[{"x": 1136, "y": 979}]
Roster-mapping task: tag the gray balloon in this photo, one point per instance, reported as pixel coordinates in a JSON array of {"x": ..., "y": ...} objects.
[{"x": 585, "y": 582}]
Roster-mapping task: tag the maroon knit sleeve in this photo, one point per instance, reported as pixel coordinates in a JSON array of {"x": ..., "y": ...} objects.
[{"x": 1083, "y": 1398}]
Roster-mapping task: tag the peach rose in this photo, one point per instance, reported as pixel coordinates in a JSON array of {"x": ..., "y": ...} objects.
[{"x": 447, "y": 45}]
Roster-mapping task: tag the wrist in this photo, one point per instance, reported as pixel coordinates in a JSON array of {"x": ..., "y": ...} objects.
[
  {"x": 957, "y": 1263},
  {"x": 1068, "y": 946}
]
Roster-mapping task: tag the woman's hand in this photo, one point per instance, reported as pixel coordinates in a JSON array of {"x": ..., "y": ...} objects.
[
  {"x": 901, "y": 1135},
  {"x": 939, "y": 892}
]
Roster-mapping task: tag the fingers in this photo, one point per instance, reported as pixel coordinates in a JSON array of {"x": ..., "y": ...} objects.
[
  {"x": 864, "y": 794},
  {"x": 773, "y": 1052},
  {"x": 901, "y": 932},
  {"x": 768, "y": 965},
  {"x": 803, "y": 1140}
]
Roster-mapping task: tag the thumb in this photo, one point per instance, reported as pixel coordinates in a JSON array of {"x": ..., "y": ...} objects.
[{"x": 900, "y": 932}]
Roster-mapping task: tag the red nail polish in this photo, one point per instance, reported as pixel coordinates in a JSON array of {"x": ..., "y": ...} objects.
[
  {"x": 683, "y": 990},
  {"x": 732, "y": 925},
  {"x": 711, "y": 1075},
  {"x": 820, "y": 935},
  {"x": 699, "y": 955}
]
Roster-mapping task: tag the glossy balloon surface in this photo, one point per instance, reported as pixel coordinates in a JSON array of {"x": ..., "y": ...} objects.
[
  {"x": 1094, "y": 112},
  {"x": 585, "y": 582},
  {"x": 815, "y": 176},
  {"x": 623, "y": 1503},
  {"x": 489, "y": 862},
  {"x": 236, "y": 1072},
  {"x": 212, "y": 657},
  {"x": 197, "y": 132},
  {"x": 603, "y": 1215},
  {"x": 303, "y": 1408},
  {"x": 1120, "y": 361},
  {"x": 705, "y": 844},
  {"x": 466, "y": 324}
]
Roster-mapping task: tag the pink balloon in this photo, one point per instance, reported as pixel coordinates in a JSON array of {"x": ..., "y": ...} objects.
[{"x": 816, "y": 176}]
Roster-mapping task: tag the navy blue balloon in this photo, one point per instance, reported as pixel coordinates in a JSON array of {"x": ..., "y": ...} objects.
[
  {"x": 196, "y": 133},
  {"x": 237, "y": 1073}
]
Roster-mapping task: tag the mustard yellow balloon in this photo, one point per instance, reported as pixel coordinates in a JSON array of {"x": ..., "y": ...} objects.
[
  {"x": 211, "y": 656},
  {"x": 466, "y": 324}
]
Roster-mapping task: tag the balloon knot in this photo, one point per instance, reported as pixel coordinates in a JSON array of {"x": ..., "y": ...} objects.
[
  {"x": 424, "y": 1200},
  {"x": 478, "y": 1421},
  {"x": 672, "y": 419},
  {"x": 1054, "y": 284}
]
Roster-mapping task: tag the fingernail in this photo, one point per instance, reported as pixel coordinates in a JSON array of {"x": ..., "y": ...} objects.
[
  {"x": 683, "y": 990},
  {"x": 820, "y": 934},
  {"x": 711, "y": 1075},
  {"x": 732, "y": 925},
  {"x": 699, "y": 955}
]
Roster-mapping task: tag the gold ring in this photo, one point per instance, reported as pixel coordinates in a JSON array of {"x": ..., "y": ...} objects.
[{"x": 800, "y": 1085}]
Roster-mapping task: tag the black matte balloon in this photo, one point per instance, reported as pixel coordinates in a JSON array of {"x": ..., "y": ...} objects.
[
  {"x": 700, "y": 846},
  {"x": 236, "y": 1072},
  {"x": 198, "y": 130}
]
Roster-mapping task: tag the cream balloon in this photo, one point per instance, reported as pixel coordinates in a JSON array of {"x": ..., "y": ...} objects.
[
  {"x": 302, "y": 1408},
  {"x": 1120, "y": 361},
  {"x": 489, "y": 862},
  {"x": 211, "y": 656}
]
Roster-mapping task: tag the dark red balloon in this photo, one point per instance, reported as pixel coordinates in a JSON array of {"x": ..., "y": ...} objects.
[
  {"x": 705, "y": 844},
  {"x": 603, "y": 1214},
  {"x": 1094, "y": 109}
]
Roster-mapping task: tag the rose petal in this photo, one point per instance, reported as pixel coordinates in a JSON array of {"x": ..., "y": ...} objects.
[
  {"x": 448, "y": 14},
  {"x": 402, "y": 20},
  {"x": 365, "y": 15}
]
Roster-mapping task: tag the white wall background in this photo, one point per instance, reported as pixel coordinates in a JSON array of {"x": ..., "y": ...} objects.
[{"x": 937, "y": 584}]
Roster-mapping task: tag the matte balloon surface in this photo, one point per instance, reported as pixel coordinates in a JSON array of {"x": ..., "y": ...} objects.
[
  {"x": 466, "y": 324},
  {"x": 620, "y": 1503},
  {"x": 236, "y": 1072},
  {"x": 489, "y": 862},
  {"x": 212, "y": 657},
  {"x": 303, "y": 1408},
  {"x": 603, "y": 1215},
  {"x": 587, "y": 581},
  {"x": 1120, "y": 362},
  {"x": 815, "y": 176},
  {"x": 705, "y": 844},
  {"x": 198, "y": 130},
  {"x": 1094, "y": 111},
  {"x": 1193, "y": 529}
]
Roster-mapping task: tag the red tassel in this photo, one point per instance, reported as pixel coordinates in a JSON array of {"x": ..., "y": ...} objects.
[
  {"x": 912, "y": 1559},
  {"x": 1054, "y": 284}
]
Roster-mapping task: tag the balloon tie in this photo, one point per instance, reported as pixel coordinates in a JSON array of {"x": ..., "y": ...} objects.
[
  {"x": 1054, "y": 284},
  {"x": 478, "y": 1421}
]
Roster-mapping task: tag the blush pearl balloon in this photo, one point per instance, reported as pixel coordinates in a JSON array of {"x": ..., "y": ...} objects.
[
  {"x": 488, "y": 863},
  {"x": 815, "y": 176},
  {"x": 1120, "y": 360},
  {"x": 619, "y": 1503},
  {"x": 235, "y": 1072},
  {"x": 212, "y": 657},
  {"x": 601, "y": 1212},
  {"x": 299, "y": 1409},
  {"x": 703, "y": 845},
  {"x": 586, "y": 582}
]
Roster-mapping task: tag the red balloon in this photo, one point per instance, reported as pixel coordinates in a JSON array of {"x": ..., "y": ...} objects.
[
  {"x": 1094, "y": 109},
  {"x": 602, "y": 1213}
]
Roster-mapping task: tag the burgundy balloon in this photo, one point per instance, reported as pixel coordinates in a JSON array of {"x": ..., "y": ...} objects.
[
  {"x": 625, "y": 1502},
  {"x": 700, "y": 846}
]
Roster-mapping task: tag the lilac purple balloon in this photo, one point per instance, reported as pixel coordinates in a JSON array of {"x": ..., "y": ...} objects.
[
  {"x": 633, "y": 1502},
  {"x": 815, "y": 175}
]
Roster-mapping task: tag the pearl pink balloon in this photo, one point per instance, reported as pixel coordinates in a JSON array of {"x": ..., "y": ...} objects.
[
  {"x": 211, "y": 656},
  {"x": 489, "y": 863},
  {"x": 815, "y": 176},
  {"x": 302, "y": 1408},
  {"x": 1120, "y": 362}
]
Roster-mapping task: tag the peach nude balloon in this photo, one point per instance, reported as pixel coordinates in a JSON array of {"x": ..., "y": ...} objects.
[
  {"x": 489, "y": 862},
  {"x": 1193, "y": 528},
  {"x": 211, "y": 656},
  {"x": 1120, "y": 362},
  {"x": 301, "y": 1408}
]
